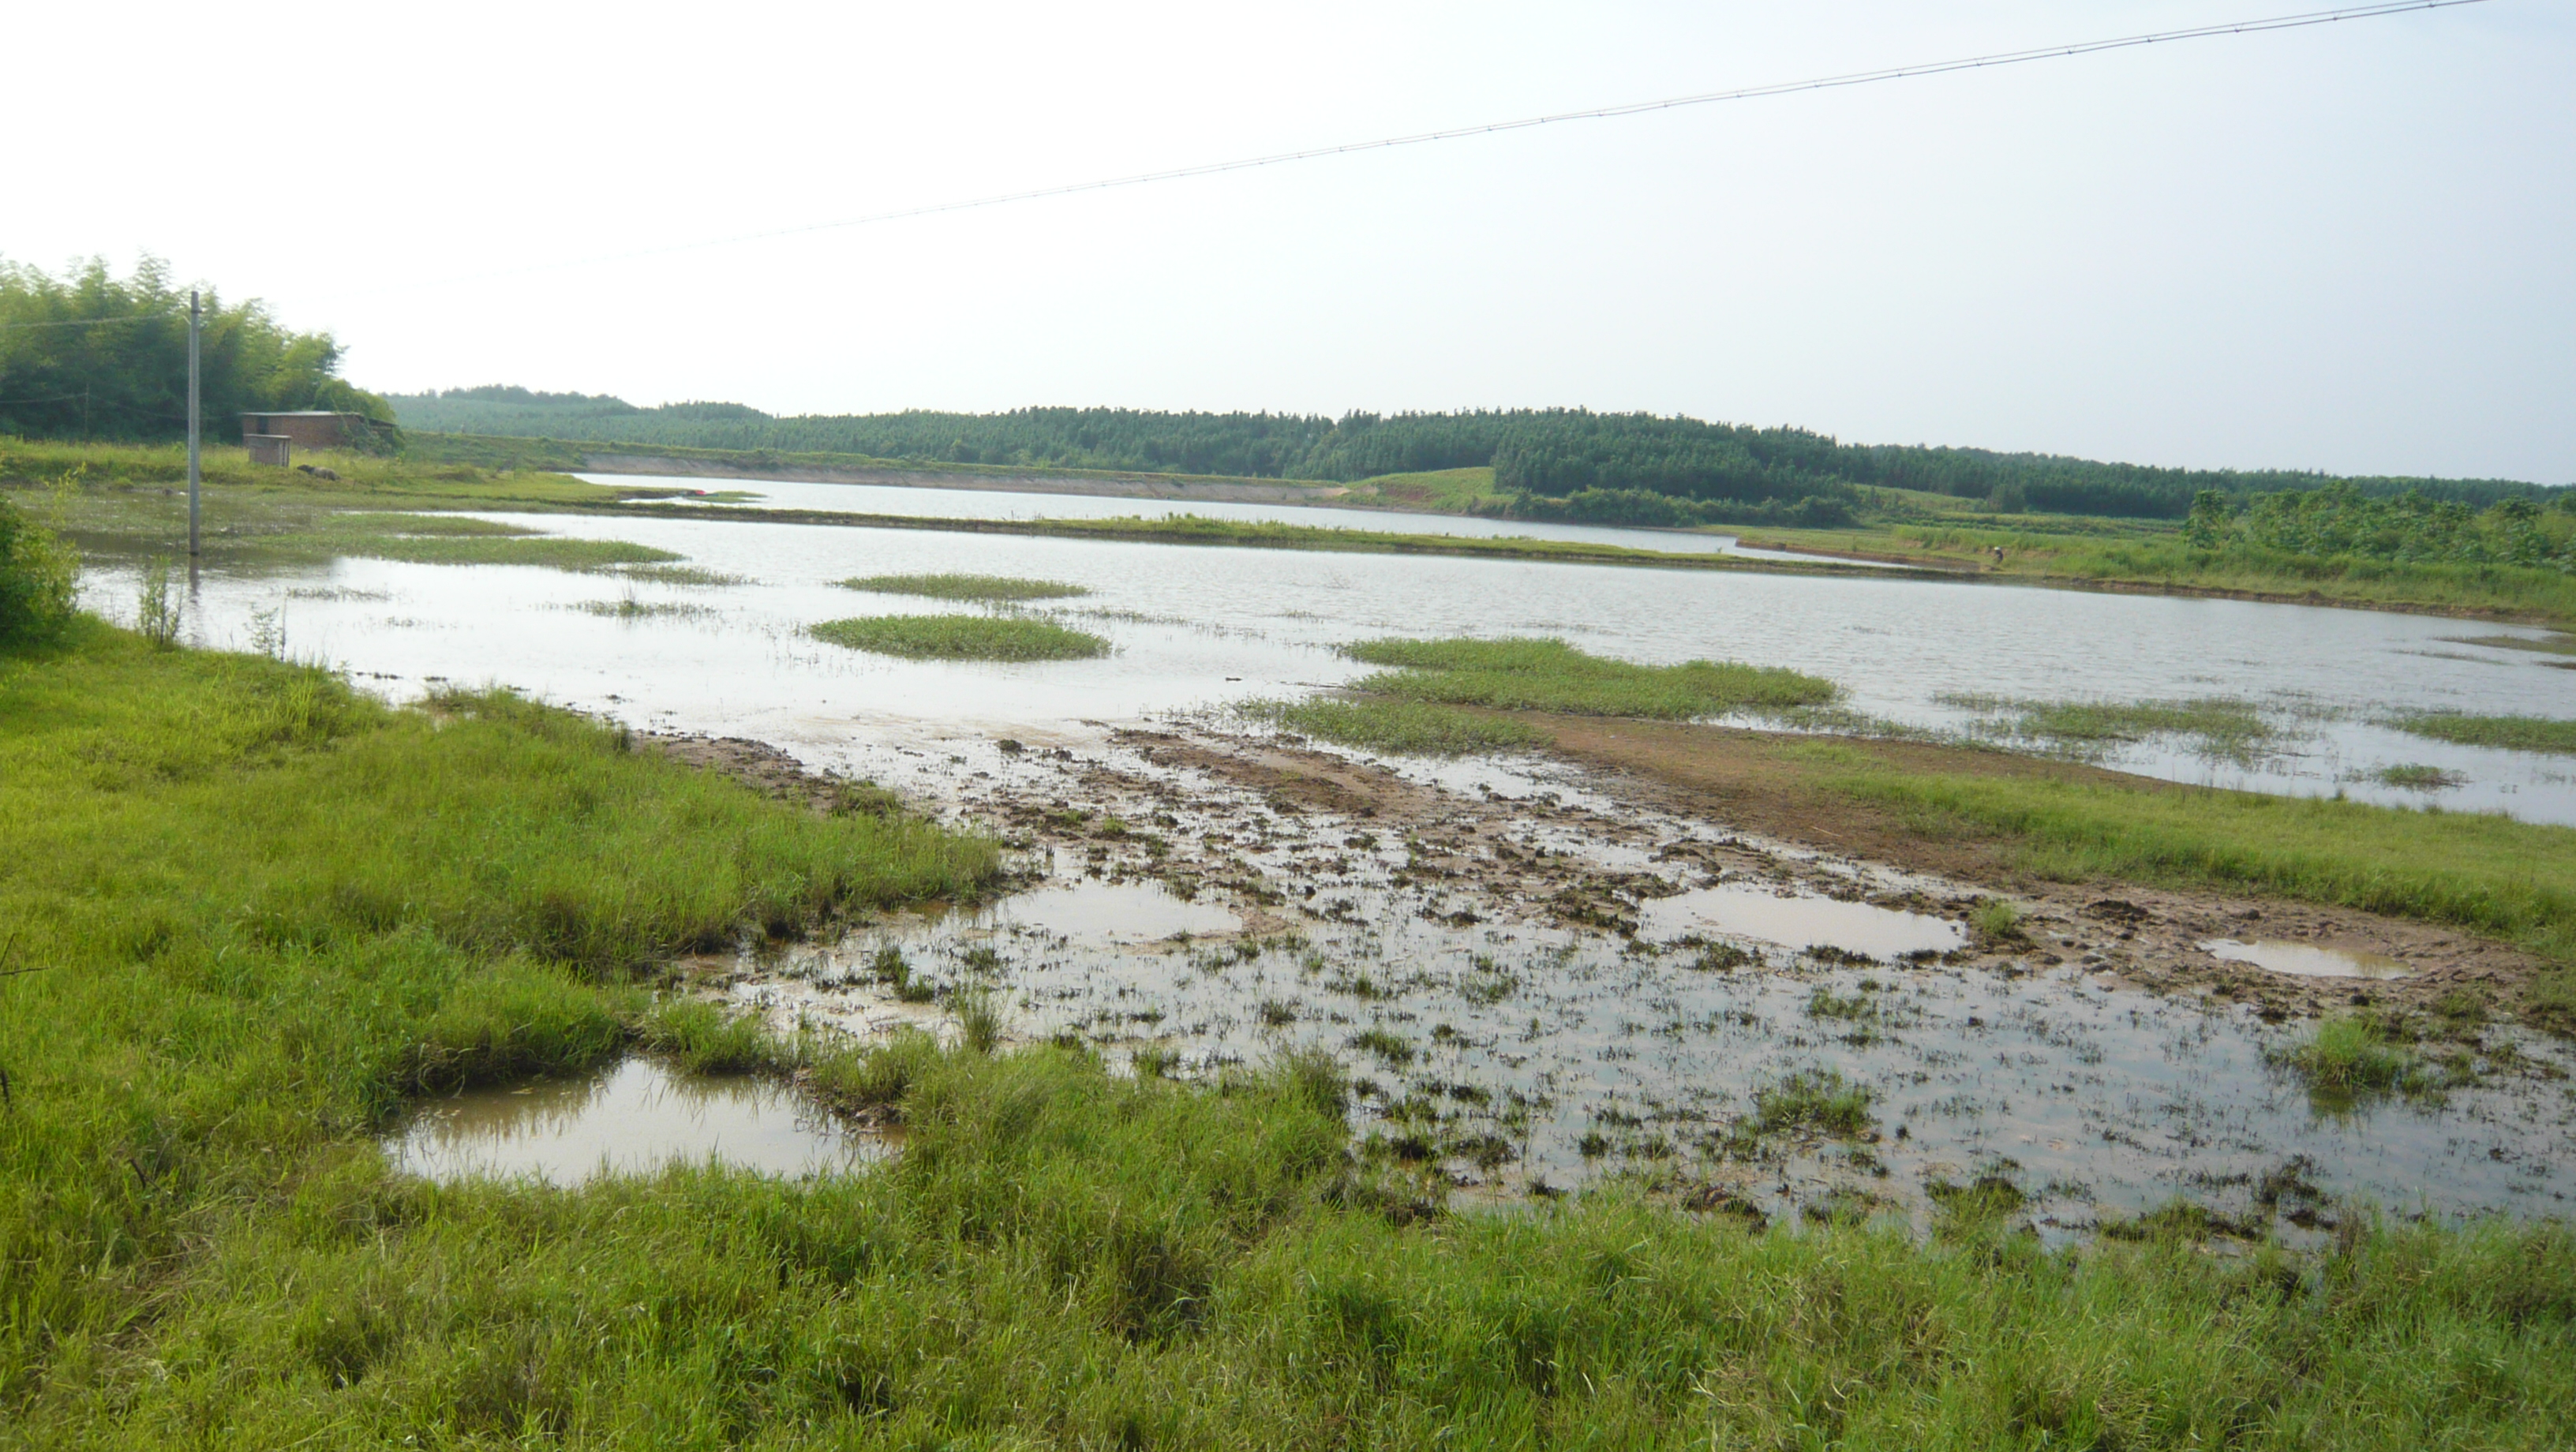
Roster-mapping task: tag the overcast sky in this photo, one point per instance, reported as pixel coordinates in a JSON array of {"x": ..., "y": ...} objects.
[{"x": 2349, "y": 247}]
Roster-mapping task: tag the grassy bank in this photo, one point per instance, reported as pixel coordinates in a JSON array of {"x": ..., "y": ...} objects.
[{"x": 260, "y": 911}]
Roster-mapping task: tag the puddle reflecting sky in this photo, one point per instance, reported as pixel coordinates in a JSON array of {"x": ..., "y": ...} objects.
[
  {"x": 1798, "y": 923},
  {"x": 1559, "y": 1055},
  {"x": 2306, "y": 960},
  {"x": 634, "y": 1118},
  {"x": 1200, "y": 627}
]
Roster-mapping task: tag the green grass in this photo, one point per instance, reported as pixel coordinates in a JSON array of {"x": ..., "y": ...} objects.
[
  {"x": 1532, "y": 674},
  {"x": 1400, "y": 728},
  {"x": 2218, "y": 727},
  {"x": 263, "y": 910},
  {"x": 2486, "y": 873},
  {"x": 128, "y": 503},
  {"x": 1435, "y": 491},
  {"x": 1997, "y": 918},
  {"x": 259, "y": 909},
  {"x": 982, "y": 588},
  {"x": 2347, "y": 1056},
  {"x": 1808, "y": 1102},
  {"x": 2417, "y": 777},
  {"x": 961, "y": 637},
  {"x": 445, "y": 547},
  {"x": 2512, "y": 733}
]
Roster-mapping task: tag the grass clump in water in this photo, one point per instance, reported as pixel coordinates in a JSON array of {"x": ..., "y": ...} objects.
[
  {"x": 1546, "y": 674},
  {"x": 2349, "y": 1056},
  {"x": 981, "y": 588},
  {"x": 1400, "y": 728},
  {"x": 631, "y": 608},
  {"x": 2220, "y": 728},
  {"x": 961, "y": 637},
  {"x": 1999, "y": 919},
  {"x": 1808, "y": 1102},
  {"x": 2416, "y": 777},
  {"x": 2510, "y": 733}
]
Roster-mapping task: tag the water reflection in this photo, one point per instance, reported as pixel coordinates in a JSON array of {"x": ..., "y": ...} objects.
[
  {"x": 634, "y": 1118},
  {"x": 1801, "y": 923},
  {"x": 2306, "y": 960},
  {"x": 1129, "y": 912}
]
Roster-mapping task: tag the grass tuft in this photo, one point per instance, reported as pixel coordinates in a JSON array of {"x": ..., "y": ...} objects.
[
  {"x": 961, "y": 637},
  {"x": 2348, "y": 1056},
  {"x": 2416, "y": 777},
  {"x": 1808, "y": 1102}
]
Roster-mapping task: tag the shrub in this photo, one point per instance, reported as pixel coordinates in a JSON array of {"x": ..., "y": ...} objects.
[{"x": 36, "y": 576}]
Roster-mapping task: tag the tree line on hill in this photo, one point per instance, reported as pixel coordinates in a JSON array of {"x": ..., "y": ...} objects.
[
  {"x": 1566, "y": 463},
  {"x": 89, "y": 355},
  {"x": 2339, "y": 521}
]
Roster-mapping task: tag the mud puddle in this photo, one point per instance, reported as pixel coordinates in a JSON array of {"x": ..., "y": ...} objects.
[
  {"x": 634, "y": 1118},
  {"x": 2305, "y": 960},
  {"x": 1119, "y": 912},
  {"x": 1550, "y": 982},
  {"x": 1802, "y": 924}
]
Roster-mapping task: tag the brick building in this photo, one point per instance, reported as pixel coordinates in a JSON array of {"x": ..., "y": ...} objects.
[{"x": 272, "y": 438}]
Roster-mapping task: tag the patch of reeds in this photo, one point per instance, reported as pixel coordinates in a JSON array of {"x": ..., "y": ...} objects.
[
  {"x": 1545, "y": 674},
  {"x": 1398, "y": 727},
  {"x": 977, "y": 588},
  {"x": 961, "y": 637}
]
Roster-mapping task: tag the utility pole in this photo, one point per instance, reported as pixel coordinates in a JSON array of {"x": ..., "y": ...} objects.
[{"x": 192, "y": 426}]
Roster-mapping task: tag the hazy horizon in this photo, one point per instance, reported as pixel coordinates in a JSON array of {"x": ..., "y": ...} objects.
[{"x": 2340, "y": 249}]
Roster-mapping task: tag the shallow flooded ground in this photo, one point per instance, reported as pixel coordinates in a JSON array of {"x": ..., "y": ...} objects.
[
  {"x": 1194, "y": 627},
  {"x": 1533, "y": 991}
]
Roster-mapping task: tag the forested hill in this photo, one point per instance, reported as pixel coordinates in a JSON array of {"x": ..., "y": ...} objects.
[{"x": 1635, "y": 467}]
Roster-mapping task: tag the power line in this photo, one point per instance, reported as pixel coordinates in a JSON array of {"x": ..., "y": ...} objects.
[
  {"x": 1601, "y": 113},
  {"x": 6, "y": 326}
]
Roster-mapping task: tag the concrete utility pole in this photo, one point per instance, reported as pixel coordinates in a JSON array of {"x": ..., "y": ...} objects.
[{"x": 192, "y": 426}]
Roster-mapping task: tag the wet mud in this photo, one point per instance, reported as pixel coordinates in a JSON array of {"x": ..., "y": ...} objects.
[{"x": 1545, "y": 974}]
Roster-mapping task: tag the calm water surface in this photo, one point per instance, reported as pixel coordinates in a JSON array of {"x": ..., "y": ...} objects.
[{"x": 1199, "y": 627}]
